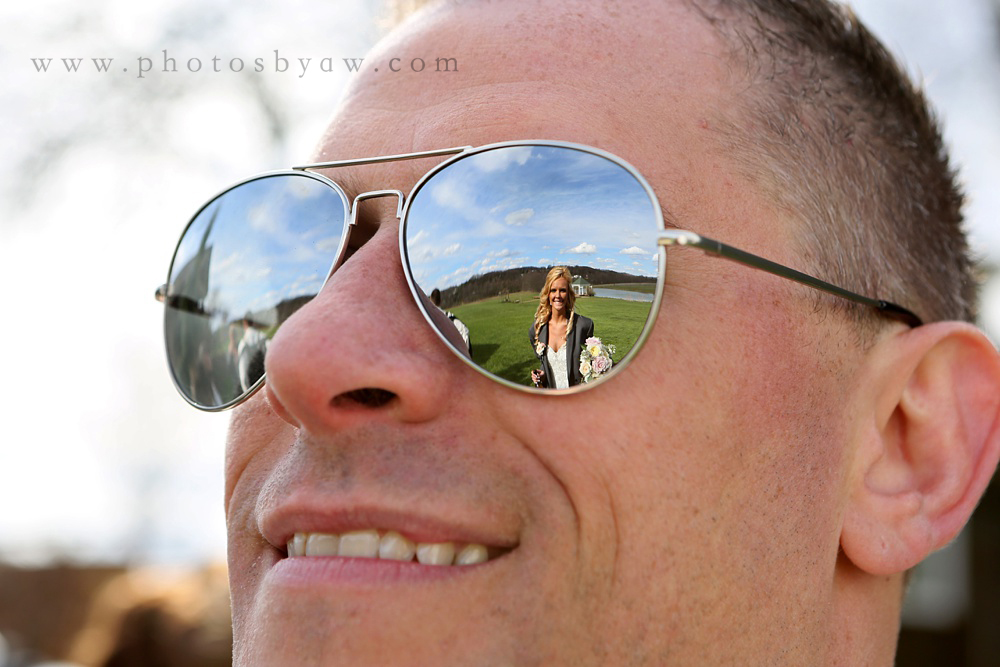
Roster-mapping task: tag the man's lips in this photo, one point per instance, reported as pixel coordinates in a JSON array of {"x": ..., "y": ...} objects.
[{"x": 298, "y": 531}]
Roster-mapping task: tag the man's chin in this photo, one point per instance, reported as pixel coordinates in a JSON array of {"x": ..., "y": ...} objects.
[
  {"x": 352, "y": 612},
  {"x": 360, "y": 634}
]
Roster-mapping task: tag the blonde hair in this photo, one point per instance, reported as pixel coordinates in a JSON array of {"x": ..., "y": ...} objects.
[{"x": 544, "y": 310}]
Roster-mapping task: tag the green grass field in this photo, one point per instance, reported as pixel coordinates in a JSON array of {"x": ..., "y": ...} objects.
[{"x": 499, "y": 330}]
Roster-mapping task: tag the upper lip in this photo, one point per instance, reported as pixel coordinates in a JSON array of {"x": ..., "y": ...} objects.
[{"x": 279, "y": 525}]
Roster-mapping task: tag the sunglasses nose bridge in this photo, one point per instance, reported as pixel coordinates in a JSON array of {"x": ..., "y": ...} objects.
[{"x": 376, "y": 194}]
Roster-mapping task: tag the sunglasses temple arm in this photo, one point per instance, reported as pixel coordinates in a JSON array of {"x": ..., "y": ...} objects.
[
  {"x": 181, "y": 303},
  {"x": 711, "y": 246}
]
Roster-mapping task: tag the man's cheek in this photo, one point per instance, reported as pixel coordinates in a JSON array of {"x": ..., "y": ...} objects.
[{"x": 256, "y": 436}]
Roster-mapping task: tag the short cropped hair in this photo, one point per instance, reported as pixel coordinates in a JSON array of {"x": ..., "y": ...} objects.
[{"x": 831, "y": 126}]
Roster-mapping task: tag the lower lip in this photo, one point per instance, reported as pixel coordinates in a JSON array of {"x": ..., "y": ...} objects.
[{"x": 307, "y": 572}]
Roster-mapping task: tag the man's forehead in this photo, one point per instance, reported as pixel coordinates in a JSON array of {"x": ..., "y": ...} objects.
[
  {"x": 575, "y": 72},
  {"x": 646, "y": 48}
]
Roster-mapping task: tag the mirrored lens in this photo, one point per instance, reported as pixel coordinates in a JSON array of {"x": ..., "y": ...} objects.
[
  {"x": 484, "y": 235},
  {"x": 248, "y": 260}
]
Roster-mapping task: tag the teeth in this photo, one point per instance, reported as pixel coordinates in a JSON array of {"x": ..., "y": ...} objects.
[
  {"x": 359, "y": 544},
  {"x": 319, "y": 544},
  {"x": 471, "y": 554},
  {"x": 436, "y": 554},
  {"x": 297, "y": 545},
  {"x": 395, "y": 547},
  {"x": 390, "y": 546}
]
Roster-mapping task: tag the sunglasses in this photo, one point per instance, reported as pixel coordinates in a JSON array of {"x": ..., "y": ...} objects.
[{"x": 539, "y": 264}]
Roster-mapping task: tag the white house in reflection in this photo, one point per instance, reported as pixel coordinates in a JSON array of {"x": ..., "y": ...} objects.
[{"x": 582, "y": 287}]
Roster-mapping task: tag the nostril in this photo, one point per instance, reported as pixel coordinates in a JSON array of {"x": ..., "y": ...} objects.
[{"x": 369, "y": 397}]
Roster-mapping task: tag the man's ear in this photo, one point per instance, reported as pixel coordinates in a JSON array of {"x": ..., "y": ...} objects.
[{"x": 928, "y": 444}]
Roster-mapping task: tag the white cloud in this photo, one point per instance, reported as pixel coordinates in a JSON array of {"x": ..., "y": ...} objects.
[
  {"x": 261, "y": 218},
  {"x": 634, "y": 250},
  {"x": 227, "y": 263},
  {"x": 518, "y": 218},
  {"x": 583, "y": 249},
  {"x": 311, "y": 282},
  {"x": 456, "y": 277},
  {"x": 450, "y": 194},
  {"x": 501, "y": 158},
  {"x": 504, "y": 263},
  {"x": 423, "y": 251},
  {"x": 420, "y": 236}
]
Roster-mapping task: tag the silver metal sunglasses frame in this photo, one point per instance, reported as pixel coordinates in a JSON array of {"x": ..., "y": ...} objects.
[{"x": 666, "y": 237}]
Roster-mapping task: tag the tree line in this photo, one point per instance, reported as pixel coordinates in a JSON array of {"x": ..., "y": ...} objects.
[{"x": 526, "y": 279}]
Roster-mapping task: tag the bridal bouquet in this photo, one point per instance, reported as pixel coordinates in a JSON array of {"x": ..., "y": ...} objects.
[{"x": 595, "y": 359}]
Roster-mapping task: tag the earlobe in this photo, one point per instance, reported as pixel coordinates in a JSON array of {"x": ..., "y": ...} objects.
[{"x": 931, "y": 447}]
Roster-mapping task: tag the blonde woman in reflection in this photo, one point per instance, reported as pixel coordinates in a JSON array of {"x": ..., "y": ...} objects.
[{"x": 558, "y": 333}]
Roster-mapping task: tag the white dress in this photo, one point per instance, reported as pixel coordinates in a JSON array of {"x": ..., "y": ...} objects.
[{"x": 557, "y": 362}]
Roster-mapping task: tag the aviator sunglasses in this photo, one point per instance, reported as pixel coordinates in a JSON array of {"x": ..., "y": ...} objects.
[{"x": 479, "y": 231}]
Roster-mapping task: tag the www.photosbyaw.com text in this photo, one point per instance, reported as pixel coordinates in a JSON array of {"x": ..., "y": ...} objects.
[{"x": 144, "y": 66}]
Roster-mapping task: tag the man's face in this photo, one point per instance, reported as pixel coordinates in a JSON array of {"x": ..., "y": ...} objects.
[{"x": 687, "y": 510}]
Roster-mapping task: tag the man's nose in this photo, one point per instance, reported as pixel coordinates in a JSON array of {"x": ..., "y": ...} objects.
[{"x": 361, "y": 350}]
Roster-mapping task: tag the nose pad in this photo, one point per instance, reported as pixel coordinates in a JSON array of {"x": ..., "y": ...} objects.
[
  {"x": 375, "y": 194},
  {"x": 359, "y": 234}
]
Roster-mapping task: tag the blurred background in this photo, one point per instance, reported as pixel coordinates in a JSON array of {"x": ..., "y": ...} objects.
[{"x": 112, "y": 540}]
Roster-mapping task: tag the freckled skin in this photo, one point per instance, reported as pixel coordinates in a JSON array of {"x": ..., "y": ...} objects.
[{"x": 687, "y": 513}]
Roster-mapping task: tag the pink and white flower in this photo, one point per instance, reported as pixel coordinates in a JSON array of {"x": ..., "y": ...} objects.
[
  {"x": 601, "y": 365},
  {"x": 595, "y": 359}
]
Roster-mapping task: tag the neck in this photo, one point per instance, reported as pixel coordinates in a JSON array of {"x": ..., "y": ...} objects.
[{"x": 866, "y": 615}]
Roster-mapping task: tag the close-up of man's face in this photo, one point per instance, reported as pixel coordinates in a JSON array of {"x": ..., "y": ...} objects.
[{"x": 721, "y": 500}]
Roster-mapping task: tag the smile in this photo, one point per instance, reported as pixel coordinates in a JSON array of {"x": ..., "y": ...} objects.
[{"x": 386, "y": 545}]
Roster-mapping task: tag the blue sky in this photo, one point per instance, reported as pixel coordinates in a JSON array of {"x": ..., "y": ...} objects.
[{"x": 529, "y": 206}]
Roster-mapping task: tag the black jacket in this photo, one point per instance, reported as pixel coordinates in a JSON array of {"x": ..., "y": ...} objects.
[{"x": 583, "y": 328}]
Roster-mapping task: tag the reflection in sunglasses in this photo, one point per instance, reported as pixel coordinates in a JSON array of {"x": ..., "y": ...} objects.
[
  {"x": 485, "y": 230},
  {"x": 249, "y": 259}
]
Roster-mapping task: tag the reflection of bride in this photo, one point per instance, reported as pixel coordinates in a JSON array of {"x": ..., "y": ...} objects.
[{"x": 558, "y": 333}]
